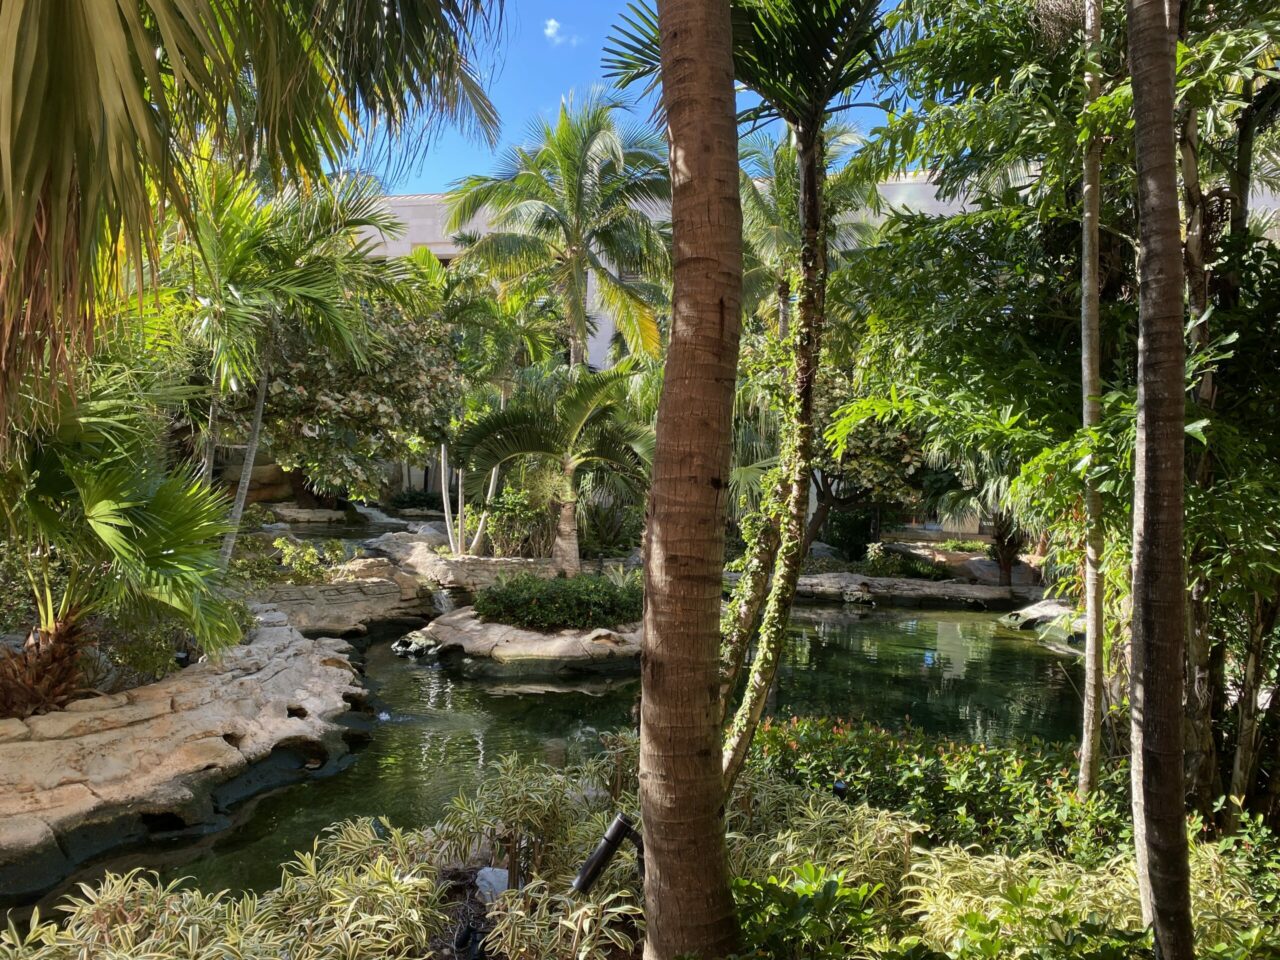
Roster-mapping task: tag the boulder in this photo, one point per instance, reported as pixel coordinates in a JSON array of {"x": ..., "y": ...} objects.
[
  {"x": 416, "y": 644},
  {"x": 431, "y": 531},
  {"x": 824, "y": 551},
  {"x": 120, "y": 769},
  {"x": 418, "y": 554},
  {"x": 903, "y": 592},
  {"x": 464, "y": 640},
  {"x": 376, "y": 592},
  {"x": 292, "y": 513},
  {"x": 984, "y": 570},
  {"x": 1056, "y": 618}
]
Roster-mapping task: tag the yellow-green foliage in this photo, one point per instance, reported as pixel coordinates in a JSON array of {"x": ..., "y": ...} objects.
[
  {"x": 950, "y": 885},
  {"x": 354, "y": 897}
]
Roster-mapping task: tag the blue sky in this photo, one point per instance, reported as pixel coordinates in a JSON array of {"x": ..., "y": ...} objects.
[{"x": 548, "y": 48}]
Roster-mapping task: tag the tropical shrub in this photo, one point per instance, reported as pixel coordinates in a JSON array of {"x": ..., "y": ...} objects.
[
  {"x": 519, "y": 524},
  {"x": 965, "y": 546},
  {"x": 809, "y": 913},
  {"x": 286, "y": 561},
  {"x": 880, "y": 562},
  {"x": 579, "y": 603},
  {"x": 610, "y": 529},
  {"x": 416, "y": 500},
  {"x": 362, "y": 893},
  {"x": 1001, "y": 798}
]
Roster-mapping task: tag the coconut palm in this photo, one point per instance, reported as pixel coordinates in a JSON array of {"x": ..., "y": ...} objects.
[
  {"x": 298, "y": 265},
  {"x": 102, "y": 102},
  {"x": 805, "y": 59},
  {"x": 575, "y": 419},
  {"x": 576, "y": 203},
  {"x": 771, "y": 214},
  {"x": 105, "y": 527}
]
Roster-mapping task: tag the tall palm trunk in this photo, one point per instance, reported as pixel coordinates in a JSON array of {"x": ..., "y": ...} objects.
[
  {"x": 210, "y": 441},
  {"x": 1091, "y": 388},
  {"x": 246, "y": 471},
  {"x": 565, "y": 549},
  {"x": 797, "y": 454},
  {"x": 1248, "y": 728},
  {"x": 1159, "y": 580},
  {"x": 689, "y": 909}
]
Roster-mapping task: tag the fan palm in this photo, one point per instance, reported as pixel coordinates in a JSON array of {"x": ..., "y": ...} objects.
[
  {"x": 805, "y": 59},
  {"x": 105, "y": 527},
  {"x": 577, "y": 204},
  {"x": 100, "y": 102},
  {"x": 575, "y": 419}
]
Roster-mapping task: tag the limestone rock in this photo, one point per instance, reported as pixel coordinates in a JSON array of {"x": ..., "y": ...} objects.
[
  {"x": 348, "y": 607},
  {"x": 292, "y": 513},
  {"x": 119, "y": 769},
  {"x": 464, "y": 639},
  {"x": 824, "y": 551},
  {"x": 855, "y": 588},
  {"x": 1053, "y": 616}
]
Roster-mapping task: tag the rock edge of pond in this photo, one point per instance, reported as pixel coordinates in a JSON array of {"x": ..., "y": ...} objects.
[{"x": 170, "y": 759}]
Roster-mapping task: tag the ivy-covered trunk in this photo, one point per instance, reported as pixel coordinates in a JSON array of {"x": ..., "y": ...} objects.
[{"x": 797, "y": 452}]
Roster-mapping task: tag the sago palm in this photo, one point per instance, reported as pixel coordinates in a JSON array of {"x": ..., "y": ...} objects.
[
  {"x": 101, "y": 100},
  {"x": 577, "y": 421},
  {"x": 104, "y": 526},
  {"x": 577, "y": 202}
]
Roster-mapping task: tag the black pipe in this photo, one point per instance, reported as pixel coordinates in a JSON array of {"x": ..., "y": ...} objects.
[{"x": 622, "y": 828}]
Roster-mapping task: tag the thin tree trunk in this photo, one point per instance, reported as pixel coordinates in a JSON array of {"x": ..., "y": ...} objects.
[
  {"x": 689, "y": 909},
  {"x": 462, "y": 512},
  {"x": 1248, "y": 729},
  {"x": 743, "y": 616},
  {"x": 246, "y": 470},
  {"x": 210, "y": 441},
  {"x": 1091, "y": 388},
  {"x": 797, "y": 455},
  {"x": 1156, "y": 682},
  {"x": 784, "y": 309},
  {"x": 478, "y": 539},
  {"x": 448, "y": 500},
  {"x": 565, "y": 549}
]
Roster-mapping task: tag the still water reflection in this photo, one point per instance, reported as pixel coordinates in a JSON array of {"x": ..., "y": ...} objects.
[{"x": 949, "y": 673}]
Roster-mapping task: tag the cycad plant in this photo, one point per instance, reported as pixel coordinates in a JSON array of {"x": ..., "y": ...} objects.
[
  {"x": 578, "y": 421},
  {"x": 105, "y": 526},
  {"x": 577, "y": 203}
]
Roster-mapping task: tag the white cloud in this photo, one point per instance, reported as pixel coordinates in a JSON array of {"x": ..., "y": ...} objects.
[{"x": 551, "y": 30}]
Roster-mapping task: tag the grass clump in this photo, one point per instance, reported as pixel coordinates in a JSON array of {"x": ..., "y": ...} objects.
[
  {"x": 964, "y": 546},
  {"x": 578, "y": 603}
]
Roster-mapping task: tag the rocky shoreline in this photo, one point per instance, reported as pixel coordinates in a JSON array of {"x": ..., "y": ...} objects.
[{"x": 168, "y": 760}]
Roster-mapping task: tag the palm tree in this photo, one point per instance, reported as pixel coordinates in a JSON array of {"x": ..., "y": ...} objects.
[
  {"x": 771, "y": 214},
  {"x": 689, "y": 909},
  {"x": 577, "y": 204},
  {"x": 505, "y": 328},
  {"x": 804, "y": 60},
  {"x": 103, "y": 100},
  {"x": 1091, "y": 388},
  {"x": 574, "y": 419},
  {"x": 105, "y": 527},
  {"x": 1159, "y": 579},
  {"x": 302, "y": 263}
]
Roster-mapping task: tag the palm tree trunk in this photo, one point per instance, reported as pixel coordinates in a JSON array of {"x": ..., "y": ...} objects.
[
  {"x": 462, "y": 515},
  {"x": 797, "y": 454},
  {"x": 210, "y": 441},
  {"x": 478, "y": 539},
  {"x": 689, "y": 908},
  {"x": 448, "y": 500},
  {"x": 1159, "y": 585},
  {"x": 246, "y": 470},
  {"x": 565, "y": 549},
  {"x": 1091, "y": 388}
]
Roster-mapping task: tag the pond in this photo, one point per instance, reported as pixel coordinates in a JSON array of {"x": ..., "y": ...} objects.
[{"x": 955, "y": 674}]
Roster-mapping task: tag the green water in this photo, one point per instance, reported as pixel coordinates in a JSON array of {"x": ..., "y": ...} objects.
[{"x": 948, "y": 673}]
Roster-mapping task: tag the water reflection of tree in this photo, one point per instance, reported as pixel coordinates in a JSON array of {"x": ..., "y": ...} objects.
[{"x": 954, "y": 674}]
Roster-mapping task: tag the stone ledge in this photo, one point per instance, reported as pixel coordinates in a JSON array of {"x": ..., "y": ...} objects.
[
  {"x": 122, "y": 768},
  {"x": 463, "y": 639},
  {"x": 893, "y": 591}
]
